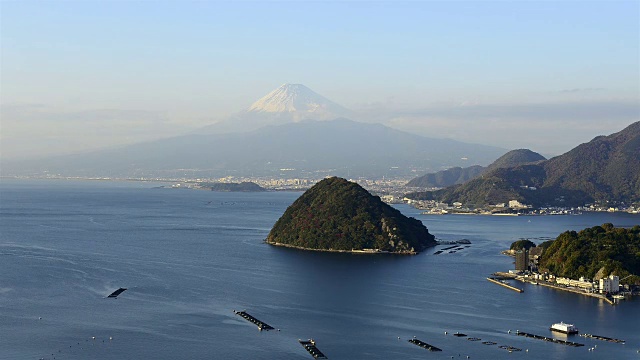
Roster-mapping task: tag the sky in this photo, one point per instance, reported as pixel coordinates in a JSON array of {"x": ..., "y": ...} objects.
[{"x": 546, "y": 75}]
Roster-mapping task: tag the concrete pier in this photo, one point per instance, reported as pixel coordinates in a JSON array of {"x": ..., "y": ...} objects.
[{"x": 505, "y": 285}]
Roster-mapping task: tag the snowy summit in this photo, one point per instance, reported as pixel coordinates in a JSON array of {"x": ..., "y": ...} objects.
[{"x": 296, "y": 98}]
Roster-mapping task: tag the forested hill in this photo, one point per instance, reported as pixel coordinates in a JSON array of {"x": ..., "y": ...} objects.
[
  {"x": 605, "y": 169},
  {"x": 458, "y": 175},
  {"x": 595, "y": 253},
  {"x": 338, "y": 215}
]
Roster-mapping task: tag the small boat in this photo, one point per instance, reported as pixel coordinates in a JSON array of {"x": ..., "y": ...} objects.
[{"x": 564, "y": 328}]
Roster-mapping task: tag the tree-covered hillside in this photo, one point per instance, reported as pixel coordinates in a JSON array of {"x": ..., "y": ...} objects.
[
  {"x": 604, "y": 169},
  {"x": 595, "y": 252}
]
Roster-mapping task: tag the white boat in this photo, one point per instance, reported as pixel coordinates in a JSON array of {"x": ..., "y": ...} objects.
[{"x": 564, "y": 328}]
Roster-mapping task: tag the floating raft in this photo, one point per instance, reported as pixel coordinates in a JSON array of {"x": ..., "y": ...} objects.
[
  {"x": 509, "y": 348},
  {"x": 310, "y": 346},
  {"x": 424, "y": 345},
  {"x": 555, "y": 341},
  {"x": 261, "y": 325},
  {"x": 116, "y": 293},
  {"x": 489, "y": 343},
  {"x": 604, "y": 338}
]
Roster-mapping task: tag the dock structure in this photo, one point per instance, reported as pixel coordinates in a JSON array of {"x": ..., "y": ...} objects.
[
  {"x": 603, "y": 338},
  {"x": 549, "y": 339},
  {"x": 424, "y": 345},
  {"x": 505, "y": 285},
  {"x": 261, "y": 325},
  {"x": 310, "y": 346}
]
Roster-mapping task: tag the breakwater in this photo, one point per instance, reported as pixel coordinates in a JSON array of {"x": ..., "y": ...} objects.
[{"x": 505, "y": 285}]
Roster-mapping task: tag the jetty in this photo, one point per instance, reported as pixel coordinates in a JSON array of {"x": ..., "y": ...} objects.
[
  {"x": 499, "y": 282},
  {"x": 117, "y": 292},
  {"x": 549, "y": 339},
  {"x": 603, "y": 338},
  {"x": 261, "y": 325},
  {"x": 424, "y": 345},
  {"x": 310, "y": 346}
]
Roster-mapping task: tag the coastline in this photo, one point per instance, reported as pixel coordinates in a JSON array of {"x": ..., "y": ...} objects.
[
  {"x": 352, "y": 251},
  {"x": 554, "y": 286}
]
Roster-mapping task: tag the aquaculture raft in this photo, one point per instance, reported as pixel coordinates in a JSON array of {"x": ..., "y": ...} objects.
[
  {"x": 261, "y": 325},
  {"x": 310, "y": 346},
  {"x": 424, "y": 345}
]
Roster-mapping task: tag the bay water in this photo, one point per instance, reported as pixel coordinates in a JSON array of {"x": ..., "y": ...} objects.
[{"x": 189, "y": 258}]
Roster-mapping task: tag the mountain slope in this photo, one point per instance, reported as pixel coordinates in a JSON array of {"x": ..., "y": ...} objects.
[
  {"x": 604, "y": 169},
  {"x": 287, "y": 104},
  {"x": 338, "y": 215},
  {"x": 338, "y": 147},
  {"x": 459, "y": 175}
]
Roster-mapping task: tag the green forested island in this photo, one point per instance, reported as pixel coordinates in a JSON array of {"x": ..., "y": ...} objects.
[
  {"x": 338, "y": 215},
  {"x": 594, "y": 253}
]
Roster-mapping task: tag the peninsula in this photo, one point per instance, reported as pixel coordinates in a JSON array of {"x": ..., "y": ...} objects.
[{"x": 339, "y": 215}]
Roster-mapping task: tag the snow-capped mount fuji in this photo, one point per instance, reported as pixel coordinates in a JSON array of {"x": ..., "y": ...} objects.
[
  {"x": 297, "y": 98},
  {"x": 289, "y": 103}
]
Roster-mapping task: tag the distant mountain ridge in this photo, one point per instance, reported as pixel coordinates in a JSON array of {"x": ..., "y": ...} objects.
[
  {"x": 337, "y": 147},
  {"x": 605, "y": 169},
  {"x": 458, "y": 175}
]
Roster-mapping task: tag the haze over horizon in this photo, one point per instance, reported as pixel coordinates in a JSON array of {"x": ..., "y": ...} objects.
[{"x": 546, "y": 75}]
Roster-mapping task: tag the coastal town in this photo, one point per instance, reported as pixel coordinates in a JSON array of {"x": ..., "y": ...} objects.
[
  {"x": 391, "y": 190},
  {"x": 607, "y": 288}
]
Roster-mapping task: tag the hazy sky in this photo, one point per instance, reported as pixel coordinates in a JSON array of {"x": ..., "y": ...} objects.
[{"x": 540, "y": 74}]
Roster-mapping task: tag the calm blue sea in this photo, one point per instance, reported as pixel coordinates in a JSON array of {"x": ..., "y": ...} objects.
[{"x": 189, "y": 258}]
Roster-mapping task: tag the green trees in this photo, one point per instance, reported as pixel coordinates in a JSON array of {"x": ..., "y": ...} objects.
[
  {"x": 522, "y": 244},
  {"x": 601, "y": 249},
  {"x": 336, "y": 214}
]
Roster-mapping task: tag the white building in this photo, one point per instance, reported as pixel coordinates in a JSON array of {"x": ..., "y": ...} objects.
[
  {"x": 515, "y": 204},
  {"x": 610, "y": 284}
]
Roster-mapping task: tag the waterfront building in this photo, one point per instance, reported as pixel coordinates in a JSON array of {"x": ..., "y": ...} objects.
[
  {"x": 522, "y": 260},
  {"x": 609, "y": 284}
]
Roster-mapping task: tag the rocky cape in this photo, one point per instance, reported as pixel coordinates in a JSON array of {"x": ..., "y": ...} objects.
[{"x": 341, "y": 216}]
